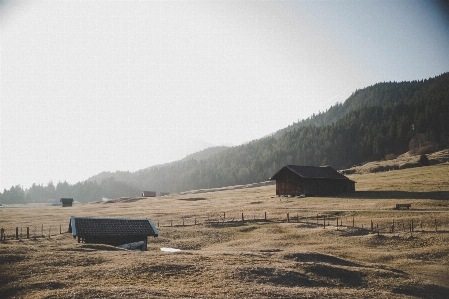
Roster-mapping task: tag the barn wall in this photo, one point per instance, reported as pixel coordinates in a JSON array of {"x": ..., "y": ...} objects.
[
  {"x": 289, "y": 183},
  {"x": 113, "y": 240},
  {"x": 325, "y": 187}
]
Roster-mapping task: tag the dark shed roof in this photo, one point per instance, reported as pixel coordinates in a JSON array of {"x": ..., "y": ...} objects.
[
  {"x": 322, "y": 172},
  {"x": 69, "y": 200},
  {"x": 111, "y": 227}
]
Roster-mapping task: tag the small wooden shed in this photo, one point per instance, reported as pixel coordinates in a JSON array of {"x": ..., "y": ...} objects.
[
  {"x": 112, "y": 231},
  {"x": 148, "y": 193},
  {"x": 294, "y": 180},
  {"x": 66, "y": 202}
]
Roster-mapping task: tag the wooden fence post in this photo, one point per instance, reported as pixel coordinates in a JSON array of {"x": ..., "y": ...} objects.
[
  {"x": 372, "y": 227},
  {"x": 265, "y": 216},
  {"x": 353, "y": 222},
  {"x": 288, "y": 218},
  {"x": 28, "y": 232},
  {"x": 243, "y": 219},
  {"x": 224, "y": 216},
  {"x": 60, "y": 229},
  {"x": 17, "y": 233}
]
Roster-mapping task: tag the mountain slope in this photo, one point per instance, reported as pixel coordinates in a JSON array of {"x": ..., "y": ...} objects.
[
  {"x": 383, "y": 119},
  {"x": 380, "y": 94}
]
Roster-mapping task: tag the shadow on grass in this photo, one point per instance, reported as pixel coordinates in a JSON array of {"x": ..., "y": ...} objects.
[
  {"x": 319, "y": 258},
  {"x": 11, "y": 292},
  {"x": 94, "y": 247},
  {"x": 317, "y": 275},
  {"x": 336, "y": 275},
  {"x": 19, "y": 290},
  {"x": 279, "y": 277},
  {"x": 423, "y": 291},
  {"x": 398, "y": 195},
  {"x": 11, "y": 258}
]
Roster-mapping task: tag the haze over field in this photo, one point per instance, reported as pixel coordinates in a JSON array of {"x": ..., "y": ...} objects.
[{"x": 100, "y": 86}]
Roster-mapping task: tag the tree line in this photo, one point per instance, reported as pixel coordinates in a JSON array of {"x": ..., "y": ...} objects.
[{"x": 83, "y": 191}]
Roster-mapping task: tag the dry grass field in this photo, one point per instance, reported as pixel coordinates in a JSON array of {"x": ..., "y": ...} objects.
[{"x": 224, "y": 257}]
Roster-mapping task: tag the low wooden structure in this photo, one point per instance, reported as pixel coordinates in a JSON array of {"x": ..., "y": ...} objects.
[
  {"x": 148, "y": 193},
  {"x": 294, "y": 180},
  {"x": 403, "y": 206},
  {"x": 66, "y": 202},
  {"x": 112, "y": 231}
]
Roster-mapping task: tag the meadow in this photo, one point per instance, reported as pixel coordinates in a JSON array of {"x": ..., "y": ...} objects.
[{"x": 244, "y": 243}]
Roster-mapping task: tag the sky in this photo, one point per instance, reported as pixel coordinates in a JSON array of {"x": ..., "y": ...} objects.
[{"x": 93, "y": 86}]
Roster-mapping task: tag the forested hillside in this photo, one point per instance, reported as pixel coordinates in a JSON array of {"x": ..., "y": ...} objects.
[{"x": 376, "y": 122}]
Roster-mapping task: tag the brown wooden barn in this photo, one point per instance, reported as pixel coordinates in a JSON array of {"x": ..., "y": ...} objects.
[
  {"x": 148, "y": 193},
  {"x": 294, "y": 180},
  {"x": 112, "y": 231},
  {"x": 66, "y": 202}
]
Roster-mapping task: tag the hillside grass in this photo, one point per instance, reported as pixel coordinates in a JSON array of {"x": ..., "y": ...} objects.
[{"x": 224, "y": 257}]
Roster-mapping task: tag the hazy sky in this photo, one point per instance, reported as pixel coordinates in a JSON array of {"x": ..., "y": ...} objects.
[{"x": 92, "y": 86}]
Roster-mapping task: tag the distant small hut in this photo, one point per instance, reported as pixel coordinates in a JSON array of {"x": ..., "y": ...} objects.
[
  {"x": 164, "y": 193},
  {"x": 66, "y": 202},
  {"x": 148, "y": 193},
  {"x": 112, "y": 231},
  {"x": 294, "y": 180}
]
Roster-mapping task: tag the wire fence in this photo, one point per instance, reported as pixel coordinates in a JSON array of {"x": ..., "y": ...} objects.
[
  {"x": 375, "y": 225},
  {"x": 409, "y": 224},
  {"x": 27, "y": 232}
]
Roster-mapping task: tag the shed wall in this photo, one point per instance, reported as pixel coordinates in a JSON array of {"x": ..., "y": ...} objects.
[{"x": 291, "y": 184}]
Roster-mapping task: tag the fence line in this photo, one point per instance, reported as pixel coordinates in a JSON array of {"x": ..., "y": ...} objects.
[
  {"x": 381, "y": 226},
  {"x": 27, "y": 232},
  {"x": 339, "y": 222}
]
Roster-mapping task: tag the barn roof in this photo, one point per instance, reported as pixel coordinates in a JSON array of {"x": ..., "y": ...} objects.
[
  {"x": 111, "y": 227},
  {"x": 321, "y": 172}
]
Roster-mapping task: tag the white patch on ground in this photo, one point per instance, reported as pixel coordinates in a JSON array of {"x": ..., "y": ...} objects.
[{"x": 167, "y": 249}]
